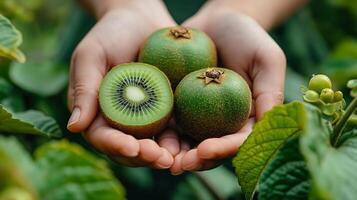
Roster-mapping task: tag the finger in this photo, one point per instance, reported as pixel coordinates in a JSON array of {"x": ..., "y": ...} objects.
[
  {"x": 111, "y": 141},
  {"x": 268, "y": 78},
  {"x": 195, "y": 21},
  {"x": 152, "y": 153},
  {"x": 149, "y": 150},
  {"x": 191, "y": 161},
  {"x": 226, "y": 146},
  {"x": 165, "y": 160},
  {"x": 176, "y": 168},
  {"x": 170, "y": 141},
  {"x": 87, "y": 70}
]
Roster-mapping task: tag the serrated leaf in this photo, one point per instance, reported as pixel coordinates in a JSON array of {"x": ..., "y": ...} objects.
[
  {"x": 286, "y": 177},
  {"x": 333, "y": 170},
  {"x": 268, "y": 135},
  {"x": 67, "y": 171},
  {"x": 10, "y": 40},
  {"x": 44, "y": 79},
  {"x": 29, "y": 122},
  {"x": 16, "y": 168}
]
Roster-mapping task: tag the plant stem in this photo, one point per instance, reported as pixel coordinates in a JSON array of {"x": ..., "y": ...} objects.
[
  {"x": 215, "y": 194},
  {"x": 337, "y": 132}
]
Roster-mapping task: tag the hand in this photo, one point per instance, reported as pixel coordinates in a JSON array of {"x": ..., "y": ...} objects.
[
  {"x": 246, "y": 48},
  {"x": 122, "y": 28}
]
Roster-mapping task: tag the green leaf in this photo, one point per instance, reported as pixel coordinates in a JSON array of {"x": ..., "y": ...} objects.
[
  {"x": 15, "y": 193},
  {"x": 222, "y": 180},
  {"x": 29, "y": 122},
  {"x": 294, "y": 84},
  {"x": 286, "y": 177},
  {"x": 16, "y": 168},
  {"x": 346, "y": 49},
  {"x": 66, "y": 171},
  {"x": 10, "y": 40},
  {"x": 44, "y": 79},
  {"x": 333, "y": 170},
  {"x": 191, "y": 188},
  {"x": 341, "y": 70},
  {"x": 10, "y": 97},
  {"x": 269, "y": 134},
  {"x": 141, "y": 177}
]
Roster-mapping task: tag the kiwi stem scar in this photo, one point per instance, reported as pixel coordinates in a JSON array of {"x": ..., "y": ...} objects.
[
  {"x": 212, "y": 74},
  {"x": 180, "y": 32}
]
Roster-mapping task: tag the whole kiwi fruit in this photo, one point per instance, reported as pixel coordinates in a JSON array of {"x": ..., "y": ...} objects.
[
  {"x": 212, "y": 103},
  {"x": 178, "y": 51},
  {"x": 136, "y": 98}
]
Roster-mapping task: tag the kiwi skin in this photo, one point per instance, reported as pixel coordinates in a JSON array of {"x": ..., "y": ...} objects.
[
  {"x": 206, "y": 110},
  {"x": 139, "y": 131},
  {"x": 178, "y": 54}
]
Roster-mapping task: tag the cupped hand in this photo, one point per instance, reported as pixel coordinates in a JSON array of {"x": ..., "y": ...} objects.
[
  {"x": 246, "y": 48},
  {"x": 116, "y": 39}
]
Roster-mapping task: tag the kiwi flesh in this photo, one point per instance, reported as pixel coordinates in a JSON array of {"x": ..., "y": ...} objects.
[
  {"x": 212, "y": 103},
  {"x": 136, "y": 98},
  {"x": 178, "y": 51}
]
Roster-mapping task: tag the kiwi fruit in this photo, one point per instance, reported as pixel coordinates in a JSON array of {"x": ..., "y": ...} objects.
[
  {"x": 178, "y": 51},
  {"x": 136, "y": 98},
  {"x": 212, "y": 103}
]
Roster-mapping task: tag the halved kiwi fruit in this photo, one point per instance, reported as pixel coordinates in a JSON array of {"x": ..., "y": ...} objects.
[
  {"x": 212, "y": 103},
  {"x": 178, "y": 50},
  {"x": 137, "y": 99}
]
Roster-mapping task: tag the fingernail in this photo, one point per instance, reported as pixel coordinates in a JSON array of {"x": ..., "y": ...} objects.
[{"x": 76, "y": 113}]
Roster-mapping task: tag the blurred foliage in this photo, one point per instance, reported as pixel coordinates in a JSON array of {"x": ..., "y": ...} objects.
[
  {"x": 60, "y": 171},
  {"x": 10, "y": 40},
  {"x": 321, "y": 38},
  {"x": 20, "y": 9}
]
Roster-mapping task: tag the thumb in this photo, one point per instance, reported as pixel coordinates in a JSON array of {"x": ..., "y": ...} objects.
[{"x": 87, "y": 70}]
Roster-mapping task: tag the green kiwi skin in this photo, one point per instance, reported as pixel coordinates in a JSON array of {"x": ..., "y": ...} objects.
[
  {"x": 178, "y": 56},
  {"x": 212, "y": 110},
  {"x": 140, "y": 131}
]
